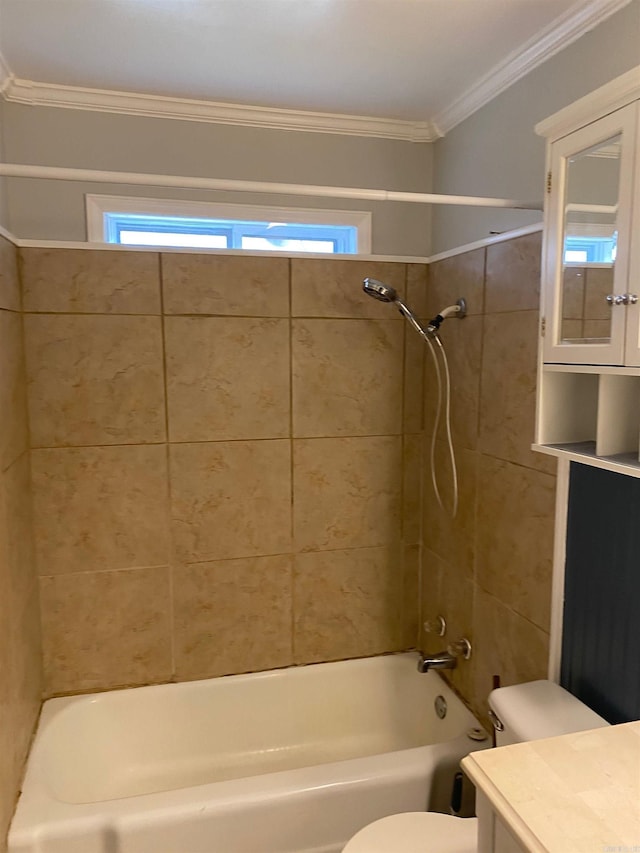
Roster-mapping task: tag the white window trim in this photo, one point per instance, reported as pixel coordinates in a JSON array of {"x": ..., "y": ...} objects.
[{"x": 98, "y": 205}]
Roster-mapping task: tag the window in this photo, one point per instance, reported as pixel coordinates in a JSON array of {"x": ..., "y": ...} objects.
[
  {"x": 203, "y": 225},
  {"x": 589, "y": 250}
]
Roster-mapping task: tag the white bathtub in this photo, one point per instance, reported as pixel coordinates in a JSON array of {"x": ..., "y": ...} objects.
[{"x": 287, "y": 761}]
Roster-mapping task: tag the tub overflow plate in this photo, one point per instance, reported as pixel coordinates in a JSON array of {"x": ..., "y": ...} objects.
[{"x": 440, "y": 705}]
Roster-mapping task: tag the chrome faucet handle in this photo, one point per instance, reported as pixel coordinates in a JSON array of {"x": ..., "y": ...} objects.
[
  {"x": 460, "y": 648},
  {"x": 436, "y": 626}
]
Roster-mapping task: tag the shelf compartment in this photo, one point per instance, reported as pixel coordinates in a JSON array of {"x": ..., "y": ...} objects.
[
  {"x": 569, "y": 407},
  {"x": 618, "y": 424},
  {"x": 585, "y": 452}
]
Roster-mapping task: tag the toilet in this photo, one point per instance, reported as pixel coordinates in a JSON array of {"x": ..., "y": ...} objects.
[{"x": 524, "y": 712}]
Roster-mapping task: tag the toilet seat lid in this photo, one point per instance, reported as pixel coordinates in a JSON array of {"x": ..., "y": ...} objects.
[{"x": 416, "y": 832}]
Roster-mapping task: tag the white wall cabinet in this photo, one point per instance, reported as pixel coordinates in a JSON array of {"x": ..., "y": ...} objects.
[{"x": 589, "y": 372}]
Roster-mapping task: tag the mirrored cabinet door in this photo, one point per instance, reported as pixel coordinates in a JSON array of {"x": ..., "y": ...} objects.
[{"x": 587, "y": 246}]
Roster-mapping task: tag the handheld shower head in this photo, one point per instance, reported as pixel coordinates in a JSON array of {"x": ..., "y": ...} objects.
[
  {"x": 384, "y": 293},
  {"x": 378, "y": 290}
]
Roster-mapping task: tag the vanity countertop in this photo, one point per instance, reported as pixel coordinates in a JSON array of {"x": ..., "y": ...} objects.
[{"x": 578, "y": 793}]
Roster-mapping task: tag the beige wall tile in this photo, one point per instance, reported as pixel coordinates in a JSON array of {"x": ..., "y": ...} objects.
[
  {"x": 513, "y": 274},
  {"x": 231, "y": 499},
  {"x": 448, "y": 592},
  {"x": 20, "y": 647},
  {"x": 410, "y": 611},
  {"x": 17, "y": 556},
  {"x": 413, "y": 461},
  {"x": 417, "y": 288},
  {"x": 462, "y": 275},
  {"x": 9, "y": 785},
  {"x": 347, "y": 604},
  {"x": 347, "y": 377},
  {"x": 415, "y": 354},
  {"x": 452, "y": 539},
  {"x": 508, "y": 389},
  {"x": 106, "y": 629},
  {"x": 94, "y": 380},
  {"x": 9, "y": 281},
  {"x": 504, "y": 644},
  {"x": 20, "y": 688},
  {"x": 233, "y": 616},
  {"x": 227, "y": 378},
  {"x": 90, "y": 282},
  {"x": 347, "y": 492},
  {"x": 214, "y": 284},
  {"x": 26, "y": 679},
  {"x": 14, "y": 437},
  {"x": 462, "y": 341},
  {"x": 516, "y": 509},
  {"x": 332, "y": 288},
  {"x": 100, "y": 508}
]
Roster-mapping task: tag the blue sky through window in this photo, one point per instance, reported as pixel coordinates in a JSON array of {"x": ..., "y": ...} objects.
[{"x": 186, "y": 232}]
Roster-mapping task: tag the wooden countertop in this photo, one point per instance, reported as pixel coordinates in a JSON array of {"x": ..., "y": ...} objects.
[{"x": 578, "y": 793}]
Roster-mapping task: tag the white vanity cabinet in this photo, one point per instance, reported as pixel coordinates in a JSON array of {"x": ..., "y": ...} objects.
[{"x": 589, "y": 372}]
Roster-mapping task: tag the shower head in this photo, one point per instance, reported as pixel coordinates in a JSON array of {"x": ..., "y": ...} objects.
[
  {"x": 379, "y": 291},
  {"x": 383, "y": 293}
]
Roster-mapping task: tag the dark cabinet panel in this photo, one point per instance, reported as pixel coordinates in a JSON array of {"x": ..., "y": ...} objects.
[{"x": 601, "y": 632}]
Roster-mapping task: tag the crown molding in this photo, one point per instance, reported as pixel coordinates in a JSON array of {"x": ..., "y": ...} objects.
[
  {"x": 157, "y": 106},
  {"x": 569, "y": 27}
]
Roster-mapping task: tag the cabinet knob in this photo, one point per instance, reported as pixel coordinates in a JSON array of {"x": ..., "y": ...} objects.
[
  {"x": 617, "y": 299},
  {"x": 631, "y": 299}
]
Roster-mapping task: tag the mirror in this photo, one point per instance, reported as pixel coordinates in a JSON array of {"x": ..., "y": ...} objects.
[{"x": 589, "y": 242}]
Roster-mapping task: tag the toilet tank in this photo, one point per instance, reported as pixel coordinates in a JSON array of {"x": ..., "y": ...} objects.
[{"x": 539, "y": 709}]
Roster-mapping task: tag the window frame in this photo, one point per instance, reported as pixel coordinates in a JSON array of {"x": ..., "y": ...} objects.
[{"x": 99, "y": 205}]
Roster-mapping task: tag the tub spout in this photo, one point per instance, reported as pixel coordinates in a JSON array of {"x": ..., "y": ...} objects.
[
  {"x": 447, "y": 659},
  {"x": 443, "y": 660}
]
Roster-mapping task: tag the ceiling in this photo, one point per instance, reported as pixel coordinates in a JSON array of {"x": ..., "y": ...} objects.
[{"x": 405, "y": 60}]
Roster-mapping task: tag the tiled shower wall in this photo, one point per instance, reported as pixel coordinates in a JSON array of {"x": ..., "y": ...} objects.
[
  {"x": 226, "y": 462},
  {"x": 20, "y": 667},
  {"x": 489, "y": 570}
]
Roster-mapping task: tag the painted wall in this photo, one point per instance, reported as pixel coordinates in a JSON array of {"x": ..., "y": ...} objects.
[
  {"x": 488, "y": 572},
  {"x": 495, "y": 152},
  {"x": 20, "y": 658},
  {"x": 226, "y": 463},
  {"x": 82, "y": 139}
]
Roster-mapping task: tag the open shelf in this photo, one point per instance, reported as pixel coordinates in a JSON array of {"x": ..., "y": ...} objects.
[
  {"x": 585, "y": 452},
  {"x": 592, "y": 415}
]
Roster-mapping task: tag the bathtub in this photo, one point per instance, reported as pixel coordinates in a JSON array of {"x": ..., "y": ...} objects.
[{"x": 287, "y": 761}]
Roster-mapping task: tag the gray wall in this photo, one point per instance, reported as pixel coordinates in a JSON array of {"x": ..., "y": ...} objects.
[
  {"x": 495, "y": 152},
  {"x": 55, "y": 210}
]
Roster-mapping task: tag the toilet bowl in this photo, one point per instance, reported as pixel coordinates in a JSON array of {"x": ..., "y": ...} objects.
[
  {"x": 416, "y": 832},
  {"x": 523, "y": 712}
]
